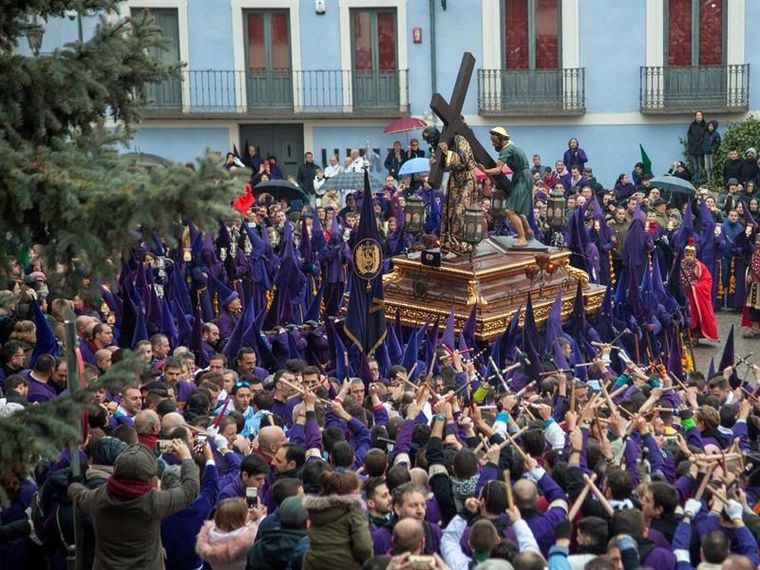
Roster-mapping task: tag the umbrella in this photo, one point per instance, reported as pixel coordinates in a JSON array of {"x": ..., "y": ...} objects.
[
  {"x": 414, "y": 166},
  {"x": 404, "y": 124},
  {"x": 352, "y": 181},
  {"x": 673, "y": 184},
  {"x": 279, "y": 189},
  {"x": 479, "y": 175}
]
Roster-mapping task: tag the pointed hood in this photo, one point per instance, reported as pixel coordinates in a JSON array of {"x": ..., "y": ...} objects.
[
  {"x": 449, "y": 339},
  {"x": 184, "y": 329},
  {"x": 393, "y": 346},
  {"x": 411, "y": 352},
  {"x": 728, "y": 358},
  {"x": 196, "y": 339},
  {"x": 531, "y": 342},
  {"x": 468, "y": 332},
  {"x": 168, "y": 326},
  {"x": 46, "y": 342}
]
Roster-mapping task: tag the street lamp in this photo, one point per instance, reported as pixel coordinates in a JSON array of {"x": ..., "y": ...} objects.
[
  {"x": 473, "y": 225},
  {"x": 498, "y": 204},
  {"x": 555, "y": 209},
  {"x": 415, "y": 213},
  {"x": 34, "y": 32}
]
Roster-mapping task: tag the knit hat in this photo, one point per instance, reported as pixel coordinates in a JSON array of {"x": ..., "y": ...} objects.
[
  {"x": 135, "y": 462},
  {"x": 751, "y": 150},
  {"x": 291, "y": 513},
  {"x": 106, "y": 450}
]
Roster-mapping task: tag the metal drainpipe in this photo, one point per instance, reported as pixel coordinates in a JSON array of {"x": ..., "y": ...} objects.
[{"x": 431, "y": 5}]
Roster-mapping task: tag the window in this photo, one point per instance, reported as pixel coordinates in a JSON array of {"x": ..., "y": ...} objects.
[
  {"x": 168, "y": 93},
  {"x": 374, "y": 57},
  {"x": 268, "y": 41},
  {"x": 269, "y": 82},
  {"x": 531, "y": 32},
  {"x": 374, "y": 33},
  {"x": 695, "y": 32}
]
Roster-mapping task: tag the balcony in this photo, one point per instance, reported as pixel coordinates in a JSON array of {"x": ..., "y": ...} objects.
[
  {"x": 714, "y": 89},
  {"x": 279, "y": 94},
  {"x": 507, "y": 92}
]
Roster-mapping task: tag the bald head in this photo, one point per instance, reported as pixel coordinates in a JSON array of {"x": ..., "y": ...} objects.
[
  {"x": 737, "y": 562},
  {"x": 82, "y": 324},
  {"x": 525, "y": 493},
  {"x": 171, "y": 420},
  {"x": 408, "y": 536},
  {"x": 419, "y": 477},
  {"x": 271, "y": 438},
  {"x": 147, "y": 422}
]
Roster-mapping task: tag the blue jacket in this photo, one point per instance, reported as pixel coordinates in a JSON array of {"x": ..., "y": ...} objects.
[{"x": 178, "y": 531}]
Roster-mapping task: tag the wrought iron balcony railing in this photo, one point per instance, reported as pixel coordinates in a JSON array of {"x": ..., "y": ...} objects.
[
  {"x": 714, "y": 88},
  {"x": 528, "y": 91},
  {"x": 227, "y": 92}
]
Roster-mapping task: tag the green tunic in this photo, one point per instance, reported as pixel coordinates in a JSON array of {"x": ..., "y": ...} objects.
[{"x": 520, "y": 197}]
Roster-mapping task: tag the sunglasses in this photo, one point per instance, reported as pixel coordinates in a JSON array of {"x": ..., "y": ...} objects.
[{"x": 242, "y": 384}]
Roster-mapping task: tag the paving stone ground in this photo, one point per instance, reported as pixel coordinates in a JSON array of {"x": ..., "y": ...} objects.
[{"x": 705, "y": 350}]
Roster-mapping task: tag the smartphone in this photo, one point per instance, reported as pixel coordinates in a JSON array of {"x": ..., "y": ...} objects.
[
  {"x": 164, "y": 445},
  {"x": 200, "y": 442},
  {"x": 252, "y": 496},
  {"x": 422, "y": 562}
]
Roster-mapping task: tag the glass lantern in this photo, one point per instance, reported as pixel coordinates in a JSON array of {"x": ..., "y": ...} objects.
[
  {"x": 555, "y": 209},
  {"x": 415, "y": 213},
  {"x": 498, "y": 203},
  {"x": 472, "y": 232}
]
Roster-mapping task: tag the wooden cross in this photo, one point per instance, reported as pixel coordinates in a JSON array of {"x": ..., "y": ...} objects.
[{"x": 453, "y": 124}]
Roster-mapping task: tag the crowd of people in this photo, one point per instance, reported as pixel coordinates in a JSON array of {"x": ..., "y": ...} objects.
[{"x": 254, "y": 435}]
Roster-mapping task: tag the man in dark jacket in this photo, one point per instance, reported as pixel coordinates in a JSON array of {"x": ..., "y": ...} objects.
[
  {"x": 748, "y": 169},
  {"x": 394, "y": 160},
  {"x": 694, "y": 138},
  {"x": 731, "y": 166},
  {"x": 275, "y": 547},
  {"x": 306, "y": 173}
]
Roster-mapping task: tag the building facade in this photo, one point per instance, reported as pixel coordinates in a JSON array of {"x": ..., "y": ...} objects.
[{"x": 326, "y": 76}]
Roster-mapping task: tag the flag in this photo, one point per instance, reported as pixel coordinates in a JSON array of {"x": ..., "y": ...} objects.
[
  {"x": 365, "y": 317},
  {"x": 646, "y": 161}
]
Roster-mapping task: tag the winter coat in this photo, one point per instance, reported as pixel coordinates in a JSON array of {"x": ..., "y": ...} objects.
[
  {"x": 274, "y": 548},
  {"x": 711, "y": 141},
  {"x": 306, "y": 173},
  {"x": 575, "y": 157},
  {"x": 731, "y": 169},
  {"x": 339, "y": 533},
  {"x": 225, "y": 550},
  {"x": 128, "y": 533},
  {"x": 694, "y": 137},
  {"x": 748, "y": 170}
]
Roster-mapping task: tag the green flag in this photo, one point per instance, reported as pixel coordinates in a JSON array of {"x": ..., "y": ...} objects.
[{"x": 646, "y": 161}]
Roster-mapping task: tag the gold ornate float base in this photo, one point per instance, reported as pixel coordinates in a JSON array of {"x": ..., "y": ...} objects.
[{"x": 495, "y": 278}]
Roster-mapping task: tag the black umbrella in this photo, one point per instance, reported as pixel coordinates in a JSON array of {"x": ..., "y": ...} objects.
[
  {"x": 280, "y": 189},
  {"x": 673, "y": 184},
  {"x": 350, "y": 181}
]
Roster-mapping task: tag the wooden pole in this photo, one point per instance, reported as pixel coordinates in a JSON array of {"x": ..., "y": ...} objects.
[
  {"x": 599, "y": 495},
  {"x": 580, "y": 499}
]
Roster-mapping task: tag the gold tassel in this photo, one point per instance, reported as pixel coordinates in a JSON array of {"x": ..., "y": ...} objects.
[
  {"x": 216, "y": 304},
  {"x": 719, "y": 290},
  {"x": 269, "y": 296},
  {"x": 732, "y": 279},
  {"x": 613, "y": 280}
]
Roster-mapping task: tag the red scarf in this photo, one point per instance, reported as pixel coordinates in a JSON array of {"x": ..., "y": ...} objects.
[
  {"x": 128, "y": 489},
  {"x": 148, "y": 440}
]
